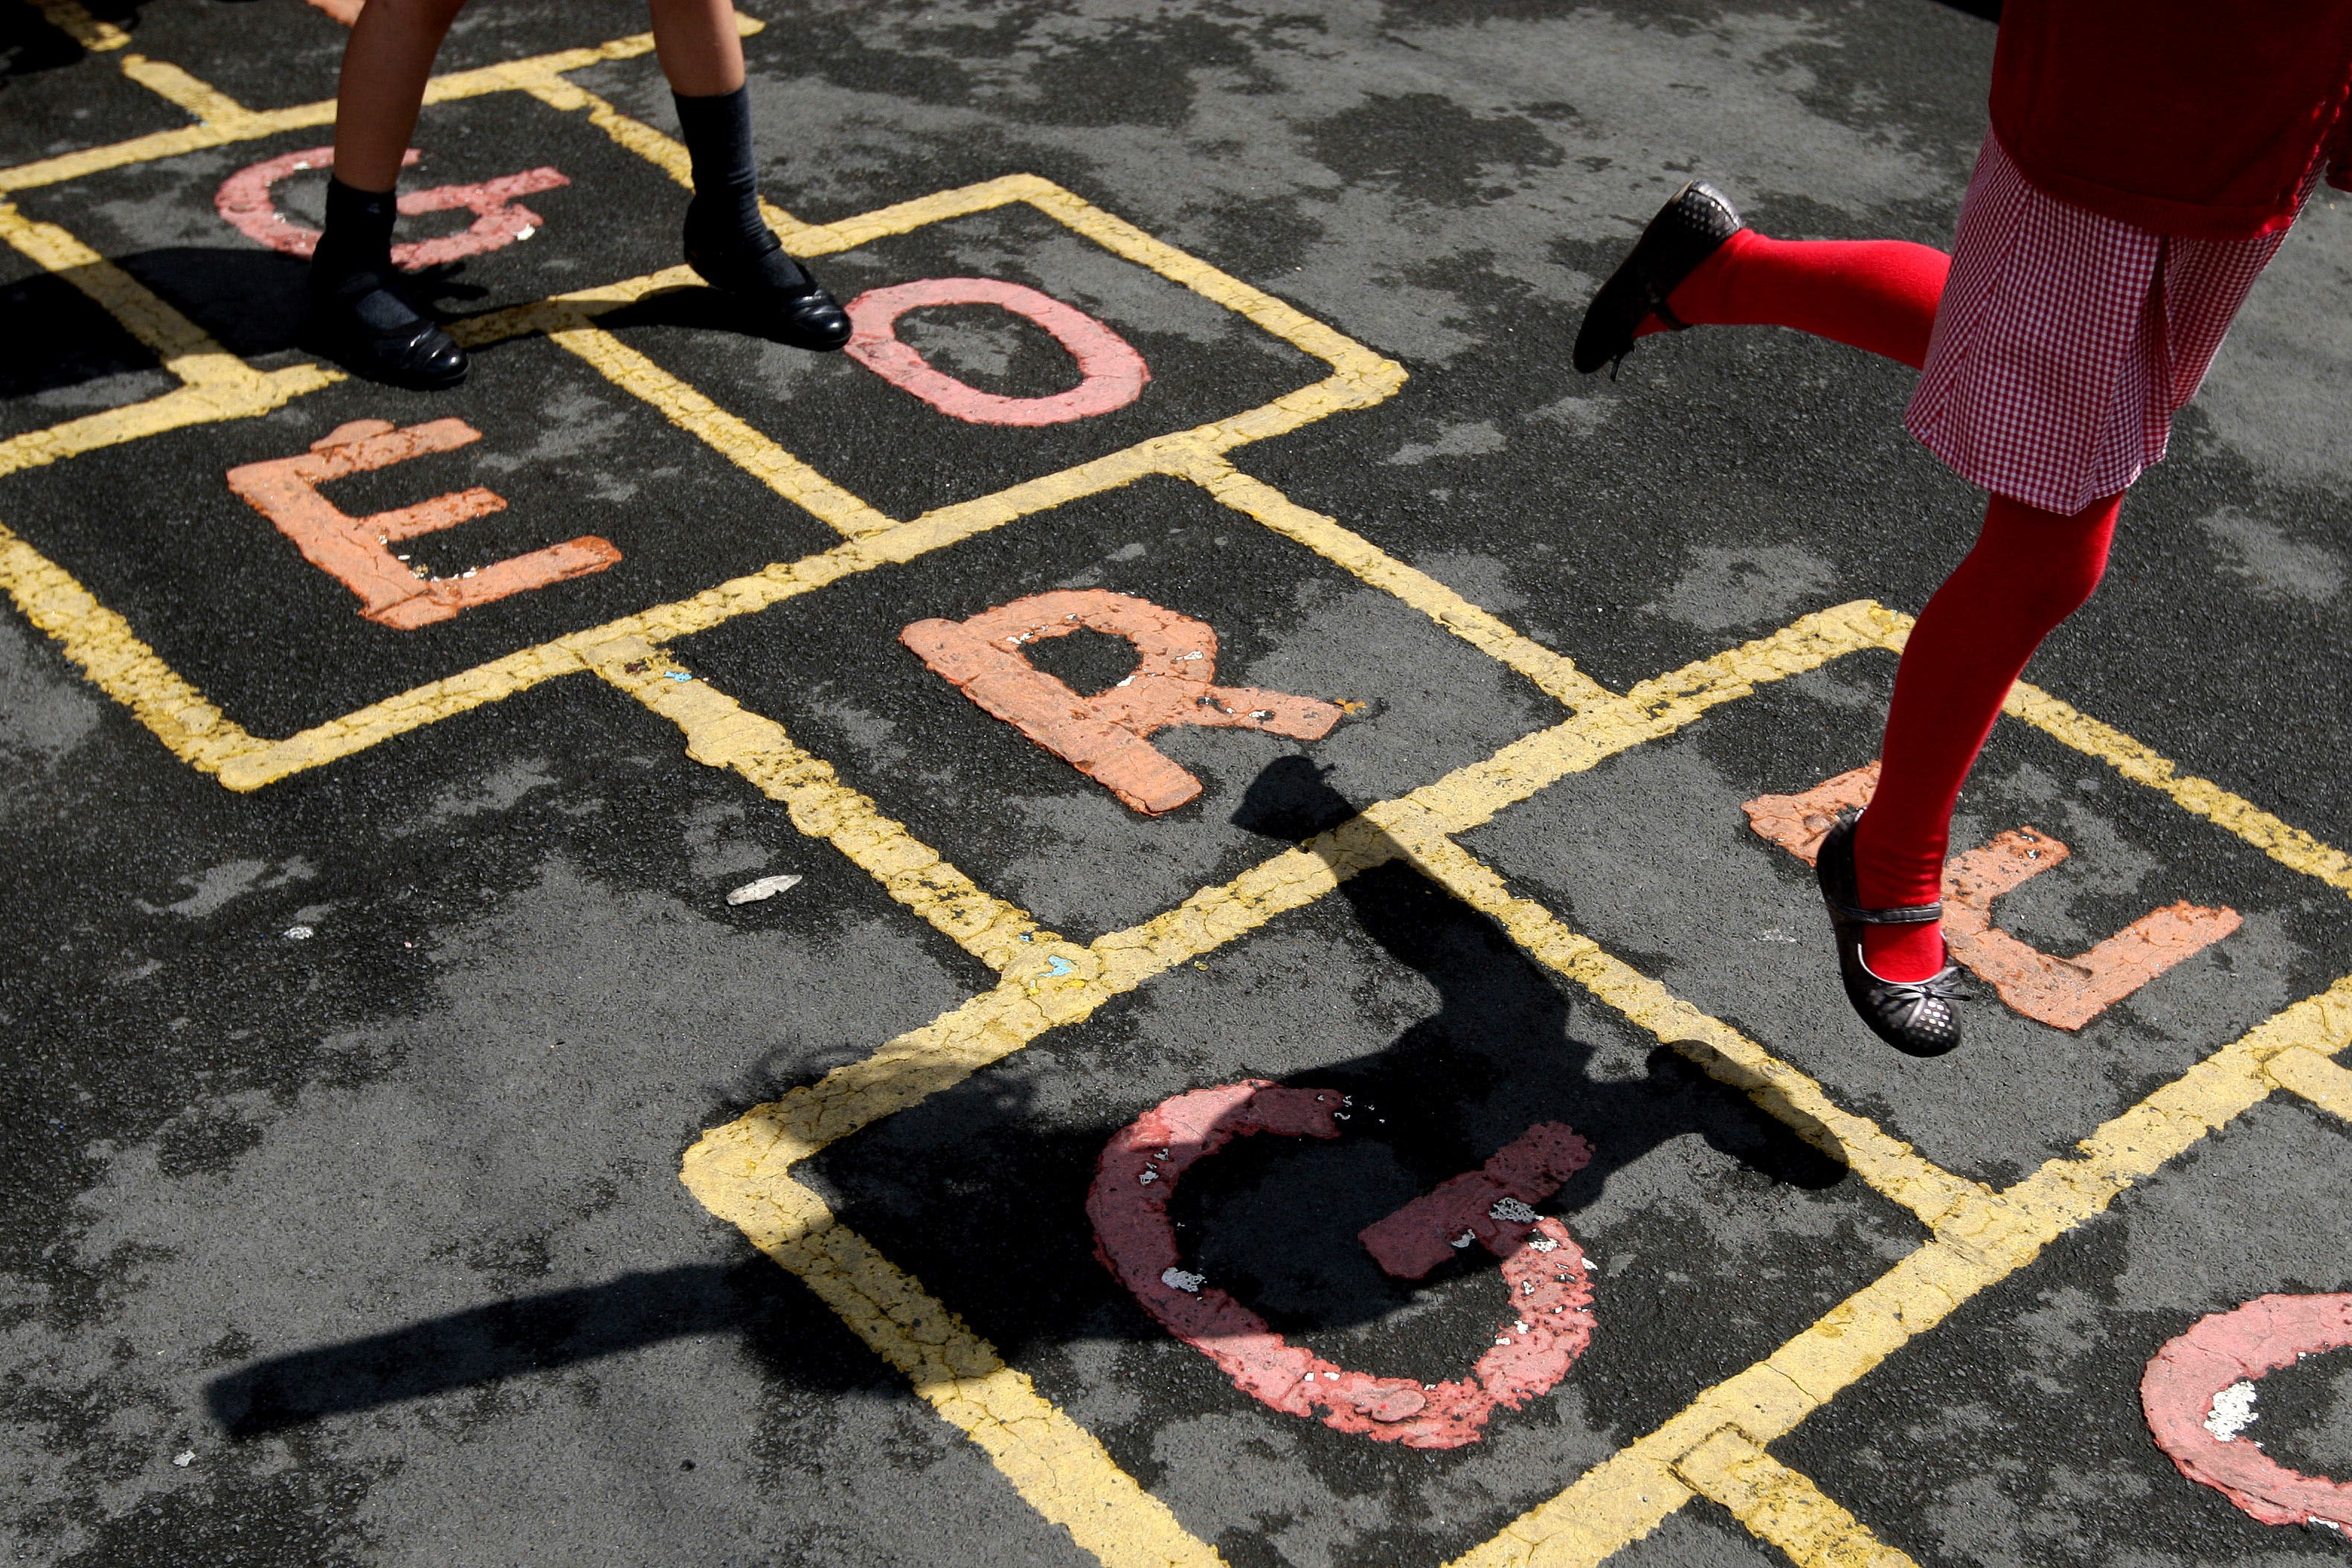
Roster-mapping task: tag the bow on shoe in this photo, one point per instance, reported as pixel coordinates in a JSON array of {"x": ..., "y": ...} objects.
[{"x": 1913, "y": 996}]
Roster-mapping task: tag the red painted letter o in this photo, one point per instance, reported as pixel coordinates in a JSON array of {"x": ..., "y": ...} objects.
[{"x": 1114, "y": 373}]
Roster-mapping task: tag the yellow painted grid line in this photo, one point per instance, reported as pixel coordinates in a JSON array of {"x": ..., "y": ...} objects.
[
  {"x": 203, "y": 402},
  {"x": 993, "y": 1025},
  {"x": 1889, "y": 1166},
  {"x": 720, "y": 733},
  {"x": 1360, "y": 376},
  {"x": 184, "y": 347},
  {"x": 215, "y": 384},
  {"x": 2290, "y": 846},
  {"x": 247, "y": 125},
  {"x": 102, "y": 644},
  {"x": 73, "y": 19},
  {"x": 732, "y": 437},
  {"x": 1631, "y": 1493},
  {"x": 2314, "y": 1077},
  {"x": 1554, "y": 673},
  {"x": 1056, "y": 1466},
  {"x": 1783, "y": 1507},
  {"x": 208, "y": 103}
]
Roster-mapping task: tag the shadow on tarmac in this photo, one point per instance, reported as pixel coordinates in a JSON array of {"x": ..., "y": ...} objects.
[
  {"x": 483, "y": 1346},
  {"x": 973, "y": 1191}
]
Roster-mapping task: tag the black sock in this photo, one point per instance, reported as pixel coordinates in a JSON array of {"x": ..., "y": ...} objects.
[
  {"x": 357, "y": 237},
  {"x": 725, "y": 211},
  {"x": 352, "y": 264}
]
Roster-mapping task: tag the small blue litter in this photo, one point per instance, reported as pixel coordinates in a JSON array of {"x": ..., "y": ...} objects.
[
  {"x": 1057, "y": 966},
  {"x": 676, "y": 674}
]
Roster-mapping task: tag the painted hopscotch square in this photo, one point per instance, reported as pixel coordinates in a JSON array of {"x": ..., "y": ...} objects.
[
  {"x": 1416, "y": 702},
  {"x": 1205, "y": 361},
  {"x": 154, "y": 532},
  {"x": 2015, "y": 1433},
  {"x": 163, "y": 220},
  {"x": 1652, "y": 855},
  {"x": 1713, "y": 1233}
]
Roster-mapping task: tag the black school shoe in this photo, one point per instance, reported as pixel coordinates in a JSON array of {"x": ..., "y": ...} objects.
[
  {"x": 1689, "y": 228},
  {"x": 788, "y": 304},
  {"x": 1915, "y": 1016},
  {"x": 364, "y": 322}
]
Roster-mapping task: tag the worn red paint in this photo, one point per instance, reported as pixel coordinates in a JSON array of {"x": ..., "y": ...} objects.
[
  {"x": 2245, "y": 1345},
  {"x": 2064, "y": 992},
  {"x": 358, "y": 551},
  {"x": 1106, "y": 736},
  {"x": 246, "y": 200},
  {"x": 1543, "y": 1269},
  {"x": 1111, "y": 372}
]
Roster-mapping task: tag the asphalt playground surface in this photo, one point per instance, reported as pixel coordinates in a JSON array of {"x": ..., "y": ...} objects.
[{"x": 369, "y": 988}]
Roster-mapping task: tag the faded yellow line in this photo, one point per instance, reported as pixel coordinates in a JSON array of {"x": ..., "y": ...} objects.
[
  {"x": 1620, "y": 1501},
  {"x": 520, "y": 671},
  {"x": 2314, "y": 1077},
  {"x": 201, "y": 98},
  {"x": 725, "y": 434},
  {"x": 1472, "y": 795},
  {"x": 203, "y": 402},
  {"x": 1056, "y": 1466},
  {"x": 1360, "y": 377},
  {"x": 252, "y": 124},
  {"x": 2289, "y": 846},
  {"x": 1029, "y": 1001},
  {"x": 184, "y": 347},
  {"x": 720, "y": 733},
  {"x": 1888, "y": 1165},
  {"x": 85, "y": 29},
  {"x": 1553, "y": 673},
  {"x": 110, "y": 654},
  {"x": 1782, "y": 1507}
]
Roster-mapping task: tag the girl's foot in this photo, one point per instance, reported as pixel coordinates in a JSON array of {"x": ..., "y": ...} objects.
[
  {"x": 1916, "y": 1016},
  {"x": 1689, "y": 228},
  {"x": 729, "y": 244},
  {"x": 750, "y": 264},
  {"x": 358, "y": 314}
]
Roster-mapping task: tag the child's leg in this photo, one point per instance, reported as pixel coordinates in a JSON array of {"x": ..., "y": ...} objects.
[
  {"x": 2030, "y": 571},
  {"x": 358, "y": 313},
  {"x": 1874, "y": 294},
  {"x": 699, "y": 49},
  {"x": 385, "y": 65},
  {"x": 726, "y": 241}
]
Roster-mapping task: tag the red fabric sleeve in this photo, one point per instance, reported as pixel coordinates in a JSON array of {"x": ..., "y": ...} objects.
[{"x": 2171, "y": 114}]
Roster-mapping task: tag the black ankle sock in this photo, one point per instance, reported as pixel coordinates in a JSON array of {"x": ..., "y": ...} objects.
[
  {"x": 726, "y": 207},
  {"x": 351, "y": 269},
  {"x": 357, "y": 237}
]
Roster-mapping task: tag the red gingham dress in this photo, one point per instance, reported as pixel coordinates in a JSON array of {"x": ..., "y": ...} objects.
[{"x": 2066, "y": 341}]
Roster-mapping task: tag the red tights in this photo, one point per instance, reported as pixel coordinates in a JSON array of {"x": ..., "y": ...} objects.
[{"x": 2030, "y": 570}]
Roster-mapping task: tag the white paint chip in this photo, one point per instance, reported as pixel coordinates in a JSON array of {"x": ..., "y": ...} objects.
[
  {"x": 300, "y": 934},
  {"x": 2232, "y": 1412},
  {"x": 765, "y": 887},
  {"x": 1178, "y": 1279},
  {"x": 185, "y": 1459}
]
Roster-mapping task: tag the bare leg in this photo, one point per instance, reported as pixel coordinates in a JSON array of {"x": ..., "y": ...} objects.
[
  {"x": 385, "y": 66},
  {"x": 697, "y": 43}
]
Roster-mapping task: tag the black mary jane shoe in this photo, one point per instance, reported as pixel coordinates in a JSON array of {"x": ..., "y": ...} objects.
[
  {"x": 788, "y": 305},
  {"x": 1915, "y": 1016},
  {"x": 1689, "y": 228},
  {"x": 366, "y": 324}
]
